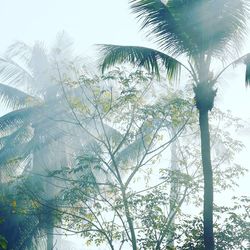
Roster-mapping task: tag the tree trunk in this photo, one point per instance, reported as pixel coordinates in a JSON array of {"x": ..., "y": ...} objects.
[
  {"x": 129, "y": 220},
  {"x": 208, "y": 180},
  {"x": 49, "y": 213},
  {"x": 50, "y": 237}
]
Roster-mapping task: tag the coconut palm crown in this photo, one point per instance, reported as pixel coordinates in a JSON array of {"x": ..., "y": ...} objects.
[
  {"x": 32, "y": 142},
  {"x": 201, "y": 31}
]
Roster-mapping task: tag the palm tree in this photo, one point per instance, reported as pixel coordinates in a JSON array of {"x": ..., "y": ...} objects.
[
  {"x": 32, "y": 140},
  {"x": 202, "y": 32},
  {"x": 21, "y": 226}
]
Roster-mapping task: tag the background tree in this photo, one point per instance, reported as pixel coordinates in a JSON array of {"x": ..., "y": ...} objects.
[{"x": 32, "y": 140}]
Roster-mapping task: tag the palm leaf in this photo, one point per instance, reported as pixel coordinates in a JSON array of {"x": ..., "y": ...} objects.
[
  {"x": 140, "y": 145},
  {"x": 193, "y": 26},
  {"x": 22, "y": 230},
  {"x": 26, "y": 65},
  {"x": 17, "y": 147},
  {"x": 150, "y": 59},
  {"x": 22, "y": 134},
  {"x": 14, "y": 73},
  {"x": 10, "y": 156},
  {"x": 160, "y": 23},
  {"x": 14, "y": 98},
  {"x": 247, "y": 75},
  {"x": 244, "y": 60},
  {"x": 19, "y": 50},
  {"x": 16, "y": 118},
  {"x": 14, "y": 147},
  {"x": 32, "y": 234},
  {"x": 131, "y": 152},
  {"x": 39, "y": 65}
]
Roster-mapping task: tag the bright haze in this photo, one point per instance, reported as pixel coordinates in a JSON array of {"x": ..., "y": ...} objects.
[{"x": 90, "y": 22}]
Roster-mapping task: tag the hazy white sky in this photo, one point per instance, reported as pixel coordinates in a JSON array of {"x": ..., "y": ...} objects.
[{"x": 87, "y": 21}]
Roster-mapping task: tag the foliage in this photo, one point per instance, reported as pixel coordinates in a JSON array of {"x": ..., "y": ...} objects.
[
  {"x": 108, "y": 192},
  {"x": 125, "y": 135},
  {"x": 32, "y": 141},
  {"x": 231, "y": 228},
  {"x": 111, "y": 191}
]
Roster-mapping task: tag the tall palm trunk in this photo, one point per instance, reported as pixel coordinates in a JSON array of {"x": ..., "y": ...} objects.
[
  {"x": 50, "y": 236},
  {"x": 208, "y": 180},
  {"x": 204, "y": 98},
  {"x": 49, "y": 223}
]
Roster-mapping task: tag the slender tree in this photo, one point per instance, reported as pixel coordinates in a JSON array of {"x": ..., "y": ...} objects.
[{"x": 201, "y": 32}]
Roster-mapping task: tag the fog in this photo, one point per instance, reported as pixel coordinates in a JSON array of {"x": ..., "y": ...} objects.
[{"x": 85, "y": 23}]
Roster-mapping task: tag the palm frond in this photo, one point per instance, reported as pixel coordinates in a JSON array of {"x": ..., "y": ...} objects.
[
  {"x": 160, "y": 23},
  {"x": 14, "y": 161},
  {"x": 32, "y": 233},
  {"x": 14, "y": 98},
  {"x": 19, "y": 145},
  {"x": 13, "y": 73},
  {"x": 245, "y": 59},
  {"x": 247, "y": 76},
  {"x": 150, "y": 59},
  {"x": 31, "y": 239},
  {"x": 131, "y": 152},
  {"x": 63, "y": 48},
  {"x": 16, "y": 119},
  {"x": 140, "y": 145},
  {"x": 10, "y": 156},
  {"x": 21, "y": 135},
  {"x": 193, "y": 26},
  {"x": 19, "y": 50},
  {"x": 24, "y": 230},
  {"x": 225, "y": 25},
  {"x": 14, "y": 148}
]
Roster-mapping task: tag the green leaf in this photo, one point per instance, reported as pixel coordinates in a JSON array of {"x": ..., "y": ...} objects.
[
  {"x": 14, "y": 98},
  {"x": 3, "y": 243},
  {"x": 150, "y": 59},
  {"x": 193, "y": 27},
  {"x": 16, "y": 118}
]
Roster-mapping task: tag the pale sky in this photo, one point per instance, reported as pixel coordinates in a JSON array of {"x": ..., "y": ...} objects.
[{"x": 88, "y": 22}]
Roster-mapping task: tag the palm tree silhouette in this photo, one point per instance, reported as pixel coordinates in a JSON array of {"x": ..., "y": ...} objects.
[{"x": 32, "y": 141}]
